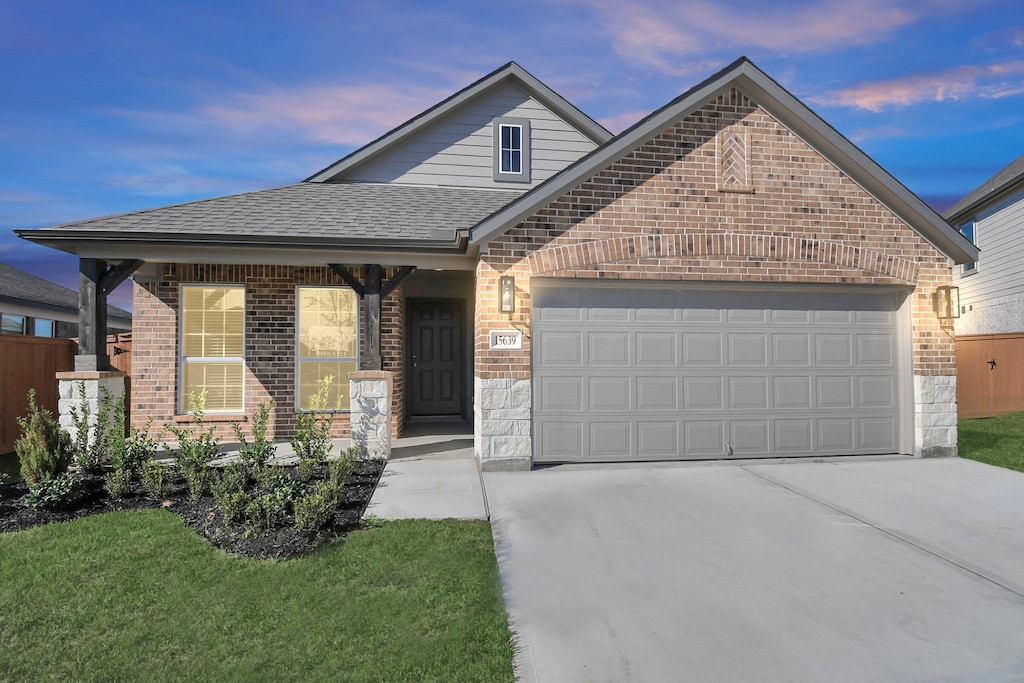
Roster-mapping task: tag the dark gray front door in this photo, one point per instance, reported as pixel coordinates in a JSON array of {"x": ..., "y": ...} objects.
[
  {"x": 655, "y": 373},
  {"x": 435, "y": 357}
]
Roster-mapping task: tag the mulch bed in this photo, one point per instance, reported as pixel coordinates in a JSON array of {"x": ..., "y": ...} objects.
[{"x": 203, "y": 515}]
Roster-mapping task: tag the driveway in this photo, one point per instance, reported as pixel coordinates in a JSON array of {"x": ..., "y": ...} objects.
[{"x": 895, "y": 570}]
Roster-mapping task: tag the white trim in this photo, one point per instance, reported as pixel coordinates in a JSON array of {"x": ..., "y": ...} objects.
[
  {"x": 180, "y": 408},
  {"x": 511, "y": 149},
  {"x": 298, "y": 359}
]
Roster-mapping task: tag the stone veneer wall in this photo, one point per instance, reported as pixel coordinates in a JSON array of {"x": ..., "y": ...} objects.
[
  {"x": 69, "y": 392},
  {"x": 270, "y": 342},
  {"x": 665, "y": 212}
]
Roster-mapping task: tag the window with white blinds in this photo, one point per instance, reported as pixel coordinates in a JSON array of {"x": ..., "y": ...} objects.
[
  {"x": 328, "y": 343},
  {"x": 213, "y": 346}
]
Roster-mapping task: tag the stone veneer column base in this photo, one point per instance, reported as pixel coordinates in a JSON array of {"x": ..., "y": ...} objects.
[
  {"x": 70, "y": 397},
  {"x": 935, "y": 414},
  {"x": 502, "y": 424},
  {"x": 370, "y": 391}
]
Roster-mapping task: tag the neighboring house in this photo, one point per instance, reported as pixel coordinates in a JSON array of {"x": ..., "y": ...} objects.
[
  {"x": 990, "y": 329},
  {"x": 729, "y": 277},
  {"x": 34, "y": 306}
]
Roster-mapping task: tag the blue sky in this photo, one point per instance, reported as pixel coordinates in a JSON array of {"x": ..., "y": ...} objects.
[{"x": 116, "y": 106}]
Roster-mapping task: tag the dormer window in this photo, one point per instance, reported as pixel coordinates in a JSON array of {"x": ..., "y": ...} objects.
[{"x": 512, "y": 150}]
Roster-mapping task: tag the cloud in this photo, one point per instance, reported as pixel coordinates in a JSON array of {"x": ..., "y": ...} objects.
[
  {"x": 620, "y": 122},
  {"x": 676, "y": 37},
  {"x": 172, "y": 180},
  {"x": 987, "y": 81}
]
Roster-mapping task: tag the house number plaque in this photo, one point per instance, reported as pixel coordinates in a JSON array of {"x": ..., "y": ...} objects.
[{"x": 506, "y": 339}]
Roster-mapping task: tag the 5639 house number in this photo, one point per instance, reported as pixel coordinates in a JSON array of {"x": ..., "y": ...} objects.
[{"x": 506, "y": 339}]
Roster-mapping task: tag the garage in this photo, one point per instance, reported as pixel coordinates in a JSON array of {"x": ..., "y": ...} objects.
[{"x": 667, "y": 372}]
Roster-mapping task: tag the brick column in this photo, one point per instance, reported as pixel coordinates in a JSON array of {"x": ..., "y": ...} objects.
[
  {"x": 70, "y": 397},
  {"x": 371, "y": 412}
]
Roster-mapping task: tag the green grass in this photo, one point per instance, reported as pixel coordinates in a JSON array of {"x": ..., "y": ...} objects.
[
  {"x": 994, "y": 440},
  {"x": 139, "y": 596}
]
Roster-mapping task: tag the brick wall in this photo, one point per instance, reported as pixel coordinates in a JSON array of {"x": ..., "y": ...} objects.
[
  {"x": 270, "y": 341},
  {"x": 670, "y": 211}
]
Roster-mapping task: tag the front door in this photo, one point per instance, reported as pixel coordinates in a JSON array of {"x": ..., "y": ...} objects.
[{"x": 435, "y": 357}]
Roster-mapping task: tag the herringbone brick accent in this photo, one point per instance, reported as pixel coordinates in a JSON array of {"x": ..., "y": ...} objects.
[{"x": 732, "y": 161}]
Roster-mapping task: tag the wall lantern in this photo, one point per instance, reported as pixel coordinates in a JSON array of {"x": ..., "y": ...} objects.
[
  {"x": 947, "y": 302},
  {"x": 507, "y": 294}
]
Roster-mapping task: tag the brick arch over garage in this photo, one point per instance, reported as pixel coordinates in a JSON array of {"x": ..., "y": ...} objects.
[{"x": 588, "y": 255}]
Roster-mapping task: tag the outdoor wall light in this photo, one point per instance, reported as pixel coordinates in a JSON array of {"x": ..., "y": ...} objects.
[
  {"x": 947, "y": 302},
  {"x": 507, "y": 294}
]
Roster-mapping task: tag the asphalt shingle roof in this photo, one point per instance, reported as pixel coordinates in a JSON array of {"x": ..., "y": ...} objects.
[
  {"x": 1007, "y": 176},
  {"x": 335, "y": 210},
  {"x": 17, "y": 284}
]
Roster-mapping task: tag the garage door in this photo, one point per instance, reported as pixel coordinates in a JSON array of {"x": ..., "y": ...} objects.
[{"x": 653, "y": 373}]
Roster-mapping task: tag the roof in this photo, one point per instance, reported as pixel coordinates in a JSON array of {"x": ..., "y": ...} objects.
[
  {"x": 525, "y": 79},
  {"x": 1006, "y": 178},
  {"x": 26, "y": 289},
  {"x": 791, "y": 112},
  {"x": 306, "y": 213}
]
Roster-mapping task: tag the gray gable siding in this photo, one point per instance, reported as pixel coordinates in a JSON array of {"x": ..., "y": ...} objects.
[
  {"x": 999, "y": 231},
  {"x": 458, "y": 150}
]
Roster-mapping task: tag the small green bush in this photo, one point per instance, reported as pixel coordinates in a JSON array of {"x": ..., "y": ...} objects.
[
  {"x": 233, "y": 506},
  {"x": 312, "y": 440},
  {"x": 196, "y": 448},
  {"x": 313, "y": 510},
  {"x": 257, "y": 453},
  {"x": 266, "y": 512},
  {"x": 43, "y": 448},
  {"x": 308, "y": 468},
  {"x": 118, "y": 483},
  {"x": 156, "y": 478},
  {"x": 94, "y": 439},
  {"x": 232, "y": 479},
  {"x": 61, "y": 492},
  {"x": 338, "y": 470},
  {"x": 283, "y": 486}
]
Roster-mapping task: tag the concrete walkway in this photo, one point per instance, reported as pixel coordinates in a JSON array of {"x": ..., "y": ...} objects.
[
  {"x": 431, "y": 476},
  {"x": 906, "y": 570}
]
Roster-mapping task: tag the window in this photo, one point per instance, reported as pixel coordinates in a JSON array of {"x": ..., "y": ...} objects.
[
  {"x": 43, "y": 328},
  {"x": 967, "y": 230},
  {"x": 12, "y": 324},
  {"x": 511, "y": 150},
  {"x": 328, "y": 344},
  {"x": 213, "y": 346}
]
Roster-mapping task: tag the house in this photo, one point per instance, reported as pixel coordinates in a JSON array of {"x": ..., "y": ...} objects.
[
  {"x": 990, "y": 326},
  {"x": 35, "y": 306},
  {"x": 729, "y": 277}
]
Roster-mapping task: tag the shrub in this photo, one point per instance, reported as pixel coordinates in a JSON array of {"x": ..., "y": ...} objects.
[
  {"x": 266, "y": 512},
  {"x": 63, "y": 491},
  {"x": 156, "y": 478},
  {"x": 339, "y": 469},
  {"x": 94, "y": 439},
  {"x": 43, "y": 448},
  {"x": 313, "y": 510},
  {"x": 282, "y": 485},
  {"x": 312, "y": 440},
  {"x": 232, "y": 479},
  {"x": 233, "y": 505},
  {"x": 256, "y": 454},
  {"x": 118, "y": 483},
  {"x": 196, "y": 448}
]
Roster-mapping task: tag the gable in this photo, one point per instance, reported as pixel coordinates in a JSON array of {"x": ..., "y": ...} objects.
[
  {"x": 726, "y": 193},
  {"x": 458, "y": 149},
  {"x": 746, "y": 78}
]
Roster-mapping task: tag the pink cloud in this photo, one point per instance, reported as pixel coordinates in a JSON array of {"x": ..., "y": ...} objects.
[
  {"x": 345, "y": 115},
  {"x": 987, "y": 81},
  {"x": 621, "y": 122},
  {"x": 673, "y": 37}
]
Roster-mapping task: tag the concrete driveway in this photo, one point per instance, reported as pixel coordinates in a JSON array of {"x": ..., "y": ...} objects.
[{"x": 895, "y": 570}]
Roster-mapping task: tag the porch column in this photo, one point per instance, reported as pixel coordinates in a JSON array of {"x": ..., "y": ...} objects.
[
  {"x": 95, "y": 282},
  {"x": 370, "y": 391},
  {"x": 371, "y": 305}
]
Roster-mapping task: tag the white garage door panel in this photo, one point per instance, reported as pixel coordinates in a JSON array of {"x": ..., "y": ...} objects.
[{"x": 650, "y": 373}]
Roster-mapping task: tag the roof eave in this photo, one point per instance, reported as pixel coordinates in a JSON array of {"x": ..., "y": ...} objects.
[
  {"x": 956, "y": 214},
  {"x": 744, "y": 75}
]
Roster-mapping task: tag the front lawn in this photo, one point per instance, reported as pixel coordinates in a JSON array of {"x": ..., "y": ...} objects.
[
  {"x": 139, "y": 596},
  {"x": 994, "y": 440}
]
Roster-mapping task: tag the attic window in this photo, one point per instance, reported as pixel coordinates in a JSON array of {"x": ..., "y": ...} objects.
[{"x": 511, "y": 150}]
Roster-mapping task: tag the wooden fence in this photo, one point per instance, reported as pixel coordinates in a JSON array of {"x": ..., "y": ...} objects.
[
  {"x": 32, "y": 363},
  {"x": 990, "y": 374}
]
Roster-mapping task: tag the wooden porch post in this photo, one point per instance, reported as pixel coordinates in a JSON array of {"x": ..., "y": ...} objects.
[
  {"x": 372, "y": 291},
  {"x": 95, "y": 282}
]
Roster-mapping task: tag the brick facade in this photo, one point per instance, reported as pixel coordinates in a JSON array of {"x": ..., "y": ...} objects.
[
  {"x": 775, "y": 211},
  {"x": 661, "y": 213},
  {"x": 270, "y": 342}
]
